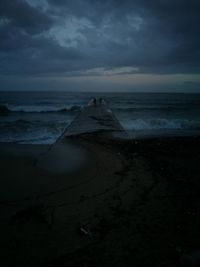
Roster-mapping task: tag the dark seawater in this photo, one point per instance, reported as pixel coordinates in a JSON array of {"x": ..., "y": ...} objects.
[{"x": 40, "y": 117}]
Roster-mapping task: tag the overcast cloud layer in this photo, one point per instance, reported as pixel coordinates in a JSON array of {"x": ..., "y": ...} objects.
[{"x": 42, "y": 39}]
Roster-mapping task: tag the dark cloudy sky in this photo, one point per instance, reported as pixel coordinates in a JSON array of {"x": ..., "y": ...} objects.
[{"x": 138, "y": 45}]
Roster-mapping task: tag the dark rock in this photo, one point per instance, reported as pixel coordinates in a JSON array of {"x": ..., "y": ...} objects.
[{"x": 4, "y": 110}]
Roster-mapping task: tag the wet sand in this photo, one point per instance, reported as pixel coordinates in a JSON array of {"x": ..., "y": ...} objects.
[{"x": 132, "y": 203}]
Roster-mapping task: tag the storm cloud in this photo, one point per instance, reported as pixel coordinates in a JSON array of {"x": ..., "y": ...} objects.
[{"x": 57, "y": 38}]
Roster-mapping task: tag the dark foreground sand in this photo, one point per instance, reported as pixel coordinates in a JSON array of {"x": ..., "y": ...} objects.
[{"x": 132, "y": 203}]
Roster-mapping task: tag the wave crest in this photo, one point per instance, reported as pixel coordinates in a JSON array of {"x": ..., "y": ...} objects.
[
  {"x": 161, "y": 123},
  {"x": 40, "y": 109}
]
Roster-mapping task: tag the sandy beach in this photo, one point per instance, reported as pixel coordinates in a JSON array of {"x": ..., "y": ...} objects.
[{"x": 130, "y": 203}]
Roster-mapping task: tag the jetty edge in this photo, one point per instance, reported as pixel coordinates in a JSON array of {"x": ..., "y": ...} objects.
[
  {"x": 96, "y": 119},
  {"x": 94, "y": 122}
]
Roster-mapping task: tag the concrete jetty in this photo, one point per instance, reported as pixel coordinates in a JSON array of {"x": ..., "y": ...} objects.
[{"x": 96, "y": 118}]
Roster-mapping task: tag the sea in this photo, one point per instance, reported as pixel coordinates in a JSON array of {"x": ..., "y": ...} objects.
[{"x": 41, "y": 117}]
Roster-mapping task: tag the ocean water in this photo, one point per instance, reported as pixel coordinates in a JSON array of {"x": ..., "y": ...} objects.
[{"x": 41, "y": 117}]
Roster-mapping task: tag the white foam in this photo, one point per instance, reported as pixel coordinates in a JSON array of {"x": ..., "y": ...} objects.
[
  {"x": 39, "y": 109},
  {"x": 160, "y": 123}
]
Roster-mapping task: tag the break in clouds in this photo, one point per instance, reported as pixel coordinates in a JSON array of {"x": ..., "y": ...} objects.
[{"x": 57, "y": 38}]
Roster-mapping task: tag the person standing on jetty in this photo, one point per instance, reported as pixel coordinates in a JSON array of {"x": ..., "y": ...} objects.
[
  {"x": 102, "y": 102},
  {"x": 93, "y": 102}
]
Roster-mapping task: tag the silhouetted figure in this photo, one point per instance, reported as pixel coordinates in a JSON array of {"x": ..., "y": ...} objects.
[
  {"x": 92, "y": 102},
  {"x": 101, "y": 101}
]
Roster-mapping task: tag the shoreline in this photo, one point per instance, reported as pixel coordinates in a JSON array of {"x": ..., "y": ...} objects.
[{"x": 135, "y": 203}]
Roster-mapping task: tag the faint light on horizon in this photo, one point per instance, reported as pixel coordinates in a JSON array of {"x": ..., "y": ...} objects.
[
  {"x": 109, "y": 71},
  {"x": 139, "y": 79}
]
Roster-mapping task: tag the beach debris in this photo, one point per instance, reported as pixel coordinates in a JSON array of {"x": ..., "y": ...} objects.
[
  {"x": 96, "y": 231},
  {"x": 4, "y": 110},
  {"x": 85, "y": 230}
]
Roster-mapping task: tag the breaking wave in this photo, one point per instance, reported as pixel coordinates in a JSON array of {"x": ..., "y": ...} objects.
[
  {"x": 38, "y": 109},
  {"x": 31, "y": 132},
  {"x": 151, "y": 124},
  {"x": 153, "y": 108}
]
